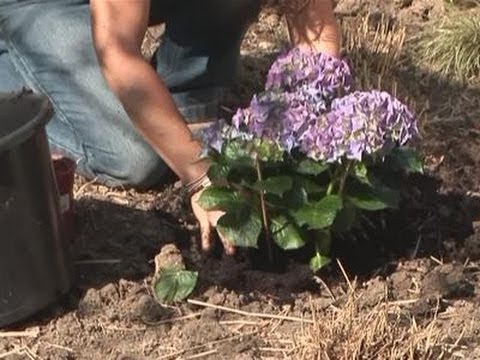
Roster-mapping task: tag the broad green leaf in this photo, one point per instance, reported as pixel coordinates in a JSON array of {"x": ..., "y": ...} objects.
[
  {"x": 218, "y": 171},
  {"x": 373, "y": 199},
  {"x": 361, "y": 173},
  {"x": 319, "y": 261},
  {"x": 241, "y": 227},
  {"x": 310, "y": 186},
  {"x": 286, "y": 234},
  {"x": 277, "y": 185},
  {"x": 243, "y": 176},
  {"x": 174, "y": 284},
  {"x": 311, "y": 167},
  {"x": 268, "y": 151},
  {"x": 406, "y": 159},
  {"x": 219, "y": 198},
  {"x": 296, "y": 197},
  {"x": 319, "y": 215},
  {"x": 345, "y": 219},
  {"x": 236, "y": 150}
]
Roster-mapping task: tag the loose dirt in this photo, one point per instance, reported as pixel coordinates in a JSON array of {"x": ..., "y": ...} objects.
[{"x": 412, "y": 293}]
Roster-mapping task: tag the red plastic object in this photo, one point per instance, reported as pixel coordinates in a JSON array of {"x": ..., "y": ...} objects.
[{"x": 65, "y": 174}]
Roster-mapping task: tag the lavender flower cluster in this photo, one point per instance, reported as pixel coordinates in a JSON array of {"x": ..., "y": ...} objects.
[
  {"x": 357, "y": 124},
  {"x": 308, "y": 105},
  {"x": 277, "y": 116},
  {"x": 326, "y": 74},
  {"x": 215, "y": 135}
]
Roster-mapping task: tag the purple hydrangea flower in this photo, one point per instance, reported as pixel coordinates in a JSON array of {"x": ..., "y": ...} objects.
[
  {"x": 328, "y": 75},
  {"x": 359, "y": 123},
  {"x": 301, "y": 110},
  {"x": 214, "y": 136},
  {"x": 278, "y": 116}
]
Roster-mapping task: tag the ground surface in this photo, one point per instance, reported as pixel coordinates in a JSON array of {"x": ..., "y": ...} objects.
[{"x": 413, "y": 294}]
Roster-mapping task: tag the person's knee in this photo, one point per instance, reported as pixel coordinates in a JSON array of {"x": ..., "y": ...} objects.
[{"x": 127, "y": 166}]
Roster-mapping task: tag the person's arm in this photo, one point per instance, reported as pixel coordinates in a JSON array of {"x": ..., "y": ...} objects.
[
  {"x": 315, "y": 27},
  {"x": 118, "y": 28}
]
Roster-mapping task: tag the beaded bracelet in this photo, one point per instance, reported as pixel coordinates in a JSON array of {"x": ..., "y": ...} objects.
[{"x": 198, "y": 184}]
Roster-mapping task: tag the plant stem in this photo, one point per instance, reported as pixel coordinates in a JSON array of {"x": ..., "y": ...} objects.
[
  {"x": 330, "y": 188},
  {"x": 344, "y": 178},
  {"x": 266, "y": 226},
  {"x": 333, "y": 178}
]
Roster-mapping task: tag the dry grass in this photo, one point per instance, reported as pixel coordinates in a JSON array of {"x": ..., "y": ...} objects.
[
  {"x": 377, "y": 52},
  {"x": 374, "y": 51},
  {"x": 452, "y": 45},
  {"x": 382, "y": 332},
  {"x": 464, "y": 4}
]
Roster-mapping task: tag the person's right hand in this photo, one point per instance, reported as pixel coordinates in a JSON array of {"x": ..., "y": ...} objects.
[{"x": 208, "y": 222}]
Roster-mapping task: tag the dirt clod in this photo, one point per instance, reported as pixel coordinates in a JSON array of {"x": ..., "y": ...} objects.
[
  {"x": 90, "y": 303},
  {"x": 375, "y": 292},
  {"x": 169, "y": 257},
  {"x": 148, "y": 310},
  {"x": 448, "y": 282},
  {"x": 109, "y": 293}
]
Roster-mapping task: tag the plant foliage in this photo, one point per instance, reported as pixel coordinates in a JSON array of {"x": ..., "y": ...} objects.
[{"x": 307, "y": 156}]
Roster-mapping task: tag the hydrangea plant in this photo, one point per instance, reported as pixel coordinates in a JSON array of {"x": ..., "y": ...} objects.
[{"x": 307, "y": 156}]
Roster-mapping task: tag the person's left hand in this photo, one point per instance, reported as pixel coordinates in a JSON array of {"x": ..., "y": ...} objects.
[{"x": 208, "y": 221}]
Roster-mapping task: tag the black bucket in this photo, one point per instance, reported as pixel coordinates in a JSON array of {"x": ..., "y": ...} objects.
[{"x": 35, "y": 263}]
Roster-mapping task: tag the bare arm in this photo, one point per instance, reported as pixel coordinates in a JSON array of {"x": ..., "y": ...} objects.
[
  {"x": 118, "y": 29},
  {"x": 315, "y": 27}
]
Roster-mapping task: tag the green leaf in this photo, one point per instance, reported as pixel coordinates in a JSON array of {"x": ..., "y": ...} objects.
[
  {"x": 174, "y": 284},
  {"x": 361, "y": 173},
  {"x": 319, "y": 215},
  {"x": 373, "y": 199},
  {"x": 319, "y": 261},
  {"x": 406, "y": 159},
  {"x": 219, "y": 198},
  {"x": 277, "y": 185},
  {"x": 345, "y": 219},
  {"x": 286, "y": 234},
  {"x": 268, "y": 151},
  {"x": 241, "y": 227},
  {"x": 218, "y": 171},
  {"x": 236, "y": 150},
  {"x": 310, "y": 186},
  {"x": 296, "y": 197},
  {"x": 311, "y": 167}
]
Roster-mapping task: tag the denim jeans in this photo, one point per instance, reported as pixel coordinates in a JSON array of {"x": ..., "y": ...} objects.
[{"x": 46, "y": 45}]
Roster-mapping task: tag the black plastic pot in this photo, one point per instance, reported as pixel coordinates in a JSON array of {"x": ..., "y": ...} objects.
[{"x": 35, "y": 265}]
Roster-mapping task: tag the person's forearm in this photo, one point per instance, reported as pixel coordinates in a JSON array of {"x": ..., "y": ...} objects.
[
  {"x": 315, "y": 27},
  {"x": 150, "y": 106}
]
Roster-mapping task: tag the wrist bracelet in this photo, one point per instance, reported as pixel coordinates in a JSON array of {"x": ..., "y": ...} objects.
[{"x": 198, "y": 184}]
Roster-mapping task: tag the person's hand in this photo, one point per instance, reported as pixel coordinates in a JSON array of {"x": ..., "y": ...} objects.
[{"x": 208, "y": 221}]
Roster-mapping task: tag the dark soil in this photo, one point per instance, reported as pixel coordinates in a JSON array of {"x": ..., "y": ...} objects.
[{"x": 421, "y": 261}]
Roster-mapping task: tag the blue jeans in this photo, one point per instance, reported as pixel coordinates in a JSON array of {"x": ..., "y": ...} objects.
[{"x": 46, "y": 45}]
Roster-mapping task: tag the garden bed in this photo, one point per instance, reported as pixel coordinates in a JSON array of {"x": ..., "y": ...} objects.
[{"x": 413, "y": 292}]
